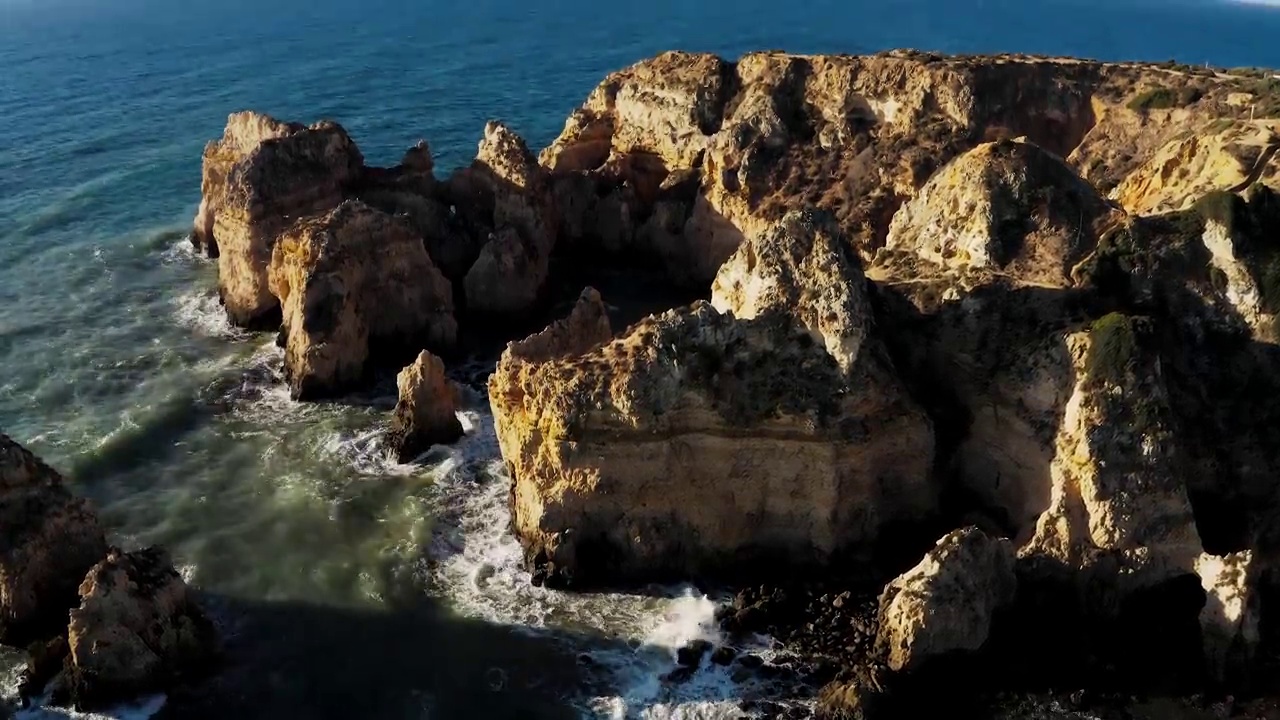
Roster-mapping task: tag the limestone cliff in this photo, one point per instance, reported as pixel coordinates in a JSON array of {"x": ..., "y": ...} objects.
[
  {"x": 48, "y": 540},
  {"x": 261, "y": 176},
  {"x": 353, "y": 280},
  {"x": 642, "y": 457}
]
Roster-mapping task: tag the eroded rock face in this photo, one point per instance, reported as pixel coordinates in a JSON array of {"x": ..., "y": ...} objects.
[
  {"x": 586, "y": 327},
  {"x": 510, "y": 194},
  {"x": 349, "y": 280},
  {"x": 258, "y": 179},
  {"x": 947, "y": 602},
  {"x": 1229, "y": 620},
  {"x": 426, "y": 413},
  {"x": 801, "y": 267},
  {"x": 138, "y": 629},
  {"x": 1119, "y": 516},
  {"x": 640, "y": 458},
  {"x": 1008, "y": 208},
  {"x": 48, "y": 540}
]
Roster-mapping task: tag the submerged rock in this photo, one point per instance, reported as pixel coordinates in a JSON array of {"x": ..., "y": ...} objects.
[
  {"x": 426, "y": 413},
  {"x": 137, "y": 630},
  {"x": 349, "y": 281},
  {"x": 48, "y": 540},
  {"x": 947, "y": 602},
  {"x": 260, "y": 177}
]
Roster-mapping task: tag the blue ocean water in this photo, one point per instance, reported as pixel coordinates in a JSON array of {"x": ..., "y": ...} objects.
[{"x": 115, "y": 365}]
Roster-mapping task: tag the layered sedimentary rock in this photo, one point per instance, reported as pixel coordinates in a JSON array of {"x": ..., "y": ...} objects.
[
  {"x": 426, "y": 413},
  {"x": 641, "y": 458},
  {"x": 137, "y": 629},
  {"x": 946, "y": 603},
  {"x": 258, "y": 179},
  {"x": 353, "y": 280},
  {"x": 48, "y": 540}
]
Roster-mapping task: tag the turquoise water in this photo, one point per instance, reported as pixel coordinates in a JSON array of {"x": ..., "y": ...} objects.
[{"x": 352, "y": 586}]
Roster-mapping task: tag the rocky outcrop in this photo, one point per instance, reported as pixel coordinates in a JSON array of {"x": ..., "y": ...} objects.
[
  {"x": 258, "y": 179},
  {"x": 48, "y": 540},
  {"x": 635, "y": 459},
  {"x": 800, "y": 267},
  {"x": 946, "y": 603},
  {"x": 586, "y": 327},
  {"x": 1007, "y": 209},
  {"x": 349, "y": 281},
  {"x": 509, "y": 193},
  {"x": 426, "y": 413},
  {"x": 137, "y": 630},
  {"x": 1229, "y": 620},
  {"x": 1119, "y": 517}
]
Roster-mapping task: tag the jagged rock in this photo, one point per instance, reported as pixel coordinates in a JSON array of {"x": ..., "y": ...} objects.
[
  {"x": 641, "y": 458},
  {"x": 586, "y": 327},
  {"x": 800, "y": 266},
  {"x": 947, "y": 602},
  {"x": 259, "y": 178},
  {"x": 1007, "y": 208},
  {"x": 48, "y": 540},
  {"x": 349, "y": 280},
  {"x": 138, "y": 629},
  {"x": 426, "y": 413},
  {"x": 1229, "y": 620},
  {"x": 512, "y": 196},
  {"x": 1119, "y": 518}
]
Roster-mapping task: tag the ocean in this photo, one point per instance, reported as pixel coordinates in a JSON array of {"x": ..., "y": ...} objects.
[{"x": 348, "y": 585}]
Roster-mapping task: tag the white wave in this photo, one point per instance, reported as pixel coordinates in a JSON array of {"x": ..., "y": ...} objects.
[
  {"x": 140, "y": 709},
  {"x": 201, "y": 311},
  {"x": 479, "y": 570}
]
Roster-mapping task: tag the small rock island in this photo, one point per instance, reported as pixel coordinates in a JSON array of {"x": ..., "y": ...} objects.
[{"x": 977, "y": 391}]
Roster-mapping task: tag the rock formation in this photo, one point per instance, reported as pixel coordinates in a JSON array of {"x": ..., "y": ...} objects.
[
  {"x": 50, "y": 539},
  {"x": 133, "y": 625},
  {"x": 260, "y": 177},
  {"x": 1065, "y": 331},
  {"x": 632, "y": 459},
  {"x": 426, "y": 413},
  {"x": 351, "y": 280},
  {"x": 947, "y": 602},
  {"x": 137, "y": 630}
]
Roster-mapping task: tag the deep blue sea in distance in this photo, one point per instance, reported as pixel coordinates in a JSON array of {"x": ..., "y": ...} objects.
[{"x": 349, "y": 585}]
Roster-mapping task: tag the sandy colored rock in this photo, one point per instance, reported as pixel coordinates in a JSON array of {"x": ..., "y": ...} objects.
[
  {"x": 1186, "y": 168},
  {"x": 510, "y": 195},
  {"x": 426, "y": 413},
  {"x": 947, "y": 602},
  {"x": 800, "y": 266},
  {"x": 1229, "y": 620},
  {"x": 258, "y": 179},
  {"x": 349, "y": 280},
  {"x": 642, "y": 457},
  {"x": 586, "y": 327},
  {"x": 138, "y": 629},
  {"x": 48, "y": 540},
  {"x": 1007, "y": 208},
  {"x": 1119, "y": 516}
]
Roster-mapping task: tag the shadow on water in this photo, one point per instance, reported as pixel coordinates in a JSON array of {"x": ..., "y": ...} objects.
[{"x": 413, "y": 660}]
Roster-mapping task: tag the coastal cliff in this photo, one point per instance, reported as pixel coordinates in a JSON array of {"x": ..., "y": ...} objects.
[{"x": 1025, "y": 305}]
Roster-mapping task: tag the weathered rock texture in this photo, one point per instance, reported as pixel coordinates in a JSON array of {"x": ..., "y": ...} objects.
[
  {"x": 946, "y": 603},
  {"x": 426, "y": 413},
  {"x": 699, "y": 443},
  {"x": 351, "y": 280},
  {"x": 137, "y": 629},
  {"x": 48, "y": 540},
  {"x": 258, "y": 179},
  {"x": 1119, "y": 517},
  {"x": 1229, "y": 620}
]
